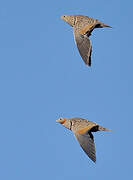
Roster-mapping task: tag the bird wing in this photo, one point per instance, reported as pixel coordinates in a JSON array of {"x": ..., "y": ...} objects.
[
  {"x": 88, "y": 28},
  {"x": 84, "y": 46},
  {"x": 86, "y": 141}
]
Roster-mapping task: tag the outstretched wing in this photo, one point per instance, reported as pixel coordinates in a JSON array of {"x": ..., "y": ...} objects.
[
  {"x": 86, "y": 141},
  {"x": 84, "y": 46}
]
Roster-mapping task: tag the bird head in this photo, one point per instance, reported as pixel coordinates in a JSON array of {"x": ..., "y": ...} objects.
[
  {"x": 65, "y": 122},
  {"x": 69, "y": 19}
]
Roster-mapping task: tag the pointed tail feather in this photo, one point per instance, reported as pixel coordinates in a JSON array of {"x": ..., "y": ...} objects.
[
  {"x": 105, "y": 25},
  {"x": 100, "y": 128},
  {"x": 101, "y": 25}
]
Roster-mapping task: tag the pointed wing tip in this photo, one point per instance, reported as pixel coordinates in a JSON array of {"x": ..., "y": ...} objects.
[
  {"x": 88, "y": 64},
  {"x": 93, "y": 159}
]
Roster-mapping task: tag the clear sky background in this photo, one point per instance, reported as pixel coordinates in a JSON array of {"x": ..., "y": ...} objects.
[{"x": 42, "y": 78}]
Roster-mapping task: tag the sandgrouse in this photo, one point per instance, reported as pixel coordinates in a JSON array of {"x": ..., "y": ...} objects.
[
  {"x": 82, "y": 27},
  {"x": 82, "y": 130}
]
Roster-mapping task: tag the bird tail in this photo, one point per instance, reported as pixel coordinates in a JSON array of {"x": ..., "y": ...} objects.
[
  {"x": 101, "y": 25},
  {"x": 100, "y": 128},
  {"x": 105, "y": 25}
]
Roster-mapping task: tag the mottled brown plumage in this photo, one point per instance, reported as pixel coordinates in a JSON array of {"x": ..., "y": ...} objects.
[
  {"x": 82, "y": 130},
  {"x": 82, "y": 27}
]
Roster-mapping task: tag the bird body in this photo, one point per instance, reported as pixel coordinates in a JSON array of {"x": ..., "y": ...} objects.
[
  {"x": 82, "y": 130},
  {"x": 82, "y": 28}
]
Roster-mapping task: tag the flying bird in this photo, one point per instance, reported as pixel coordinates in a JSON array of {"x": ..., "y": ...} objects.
[
  {"x": 82, "y": 28},
  {"x": 82, "y": 130}
]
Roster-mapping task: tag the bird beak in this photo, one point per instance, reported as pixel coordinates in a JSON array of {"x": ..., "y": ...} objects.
[
  {"x": 57, "y": 120},
  {"x": 61, "y": 17},
  {"x": 61, "y": 120}
]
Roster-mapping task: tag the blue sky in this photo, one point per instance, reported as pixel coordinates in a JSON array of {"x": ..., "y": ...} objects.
[{"x": 42, "y": 78}]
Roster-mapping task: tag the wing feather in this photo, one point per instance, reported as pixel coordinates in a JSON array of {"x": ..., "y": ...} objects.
[
  {"x": 84, "y": 46},
  {"x": 86, "y": 141}
]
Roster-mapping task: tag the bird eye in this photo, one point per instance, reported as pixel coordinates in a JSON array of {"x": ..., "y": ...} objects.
[{"x": 64, "y": 16}]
